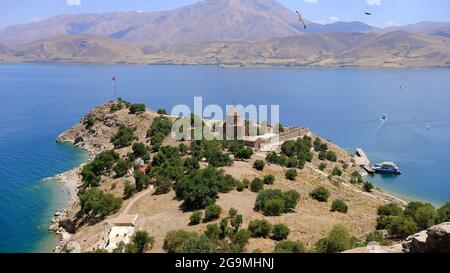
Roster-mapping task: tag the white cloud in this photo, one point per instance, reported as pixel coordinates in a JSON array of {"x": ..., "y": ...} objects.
[
  {"x": 312, "y": 1},
  {"x": 334, "y": 19},
  {"x": 73, "y": 2},
  {"x": 374, "y": 2}
]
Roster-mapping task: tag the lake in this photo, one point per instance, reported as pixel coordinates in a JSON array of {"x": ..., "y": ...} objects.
[{"x": 39, "y": 101}]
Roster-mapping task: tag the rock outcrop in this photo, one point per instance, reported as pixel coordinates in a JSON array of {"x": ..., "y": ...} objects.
[{"x": 433, "y": 240}]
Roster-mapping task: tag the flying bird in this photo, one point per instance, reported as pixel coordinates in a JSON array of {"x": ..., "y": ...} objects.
[
  {"x": 368, "y": 13},
  {"x": 300, "y": 19}
]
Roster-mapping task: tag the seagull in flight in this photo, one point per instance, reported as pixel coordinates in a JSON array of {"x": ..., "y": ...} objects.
[
  {"x": 300, "y": 19},
  {"x": 367, "y": 13}
]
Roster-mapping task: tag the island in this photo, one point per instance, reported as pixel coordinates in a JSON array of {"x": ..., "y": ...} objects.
[{"x": 145, "y": 191}]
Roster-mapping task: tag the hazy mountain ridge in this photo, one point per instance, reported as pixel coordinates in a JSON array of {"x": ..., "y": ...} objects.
[
  {"x": 244, "y": 32},
  {"x": 208, "y": 20},
  {"x": 393, "y": 49}
]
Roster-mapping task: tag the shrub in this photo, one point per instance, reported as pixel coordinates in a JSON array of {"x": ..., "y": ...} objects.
[
  {"x": 257, "y": 185},
  {"x": 89, "y": 122},
  {"x": 213, "y": 232},
  {"x": 322, "y": 166},
  {"x": 196, "y": 218},
  {"x": 274, "y": 207},
  {"x": 280, "y": 232},
  {"x": 289, "y": 247},
  {"x": 163, "y": 185},
  {"x": 291, "y": 174},
  {"x": 236, "y": 221},
  {"x": 259, "y": 165},
  {"x": 244, "y": 153},
  {"x": 339, "y": 206},
  {"x": 331, "y": 156},
  {"x": 269, "y": 179},
  {"x": 391, "y": 209},
  {"x": 142, "y": 241},
  {"x": 291, "y": 198},
  {"x": 128, "y": 190},
  {"x": 337, "y": 172},
  {"x": 356, "y": 178},
  {"x": 240, "y": 238},
  {"x": 98, "y": 204},
  {"x": 141, "y": 180},
  {"x": 402, "y": 226},
  {"x": 122, "y": 167},
  {"x": 201, "y": 244},
  {"x": 140, "y": 150},
  {"x": 383, "y": 222},
  {"x": 368, "y": 187},
  {"x": 320, "y": 194},
  {"x": 239, "y": 186},
  {"x": 174, "y": 239},
  {"x": 259, "y": 228},
  {"x": 292, "y": 162},
  {"x": 322, "y": 155},
  {"x": 212, "y": 212},
  {"x": 426, "y": 217},
  {"x": 137, "y": 108},
  {"x": 123, "y": 138},
  {"x": 444, "y": 213},
  {"x": 158, "y": 131},
  {"x": 162, "y": 112},
  {"x": 191, "y": 164},
  {"x": 200, "y": 188},
  {"x": 116, "y": 107},
  {"x": 337, "y": 240},
  {"x": 377, "y": 236}
]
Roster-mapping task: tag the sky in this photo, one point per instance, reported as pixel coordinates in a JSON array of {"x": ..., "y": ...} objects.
[{"x": 385, "y": 12}]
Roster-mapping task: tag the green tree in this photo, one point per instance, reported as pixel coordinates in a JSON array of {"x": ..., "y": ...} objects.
[
  {"x": 368, "y": 187},
  {"x": 162, "y": 112},
  {"x": 391, "y": 209},
  {"x": 212, "y": 212},
  {"x": 337, "y": 240},
  {"x": 163, "y": 185},
  {"x": 320, "y": 194},
  {"x": 289, "y": 247},
  {"x": 291, "y": 174},
  {"x": 444, "y": 213},
  {"x": 174, "y": 239},
  {"x": 140, "y": 150},
  {"x": 137, "y": 108},
  {"x": 243, "y": 153},
  {"x": 336, "y": 172},
  {"x": 122, "y": 167},
  {"x": 402, "y": 226},
  {"x": 213, "y": 232},
  {"x": 128, "y": 190},
  {"x": 339, "y": 206},
  {"x": 259, "y": 228},
  {"x": 89, "y": 121},
  {"x": 191, "y": 164},
  {"x": 240, "y": 238},
  {"x": 95, "y": 203},
  {"x": 141, "y": 180},
  {"x": 280, "y": 232},
  {"x": 259, "y": 165},
  {"x": 142, "y": 241},
  {"x": 274, "y": 207},
  {"x": 331, "y": 156},
  {"x": 201, "y": 244},
  {"x": 257, "y": 185},
  {"x": 291, "y": 198},
  {"x": 426, "y": 217},
  {"x": 269, "y": 179},
  {"x": 322, "y": 166},
  {"x": 196, "y": 218},
  {"x": 123, "y": 138}
]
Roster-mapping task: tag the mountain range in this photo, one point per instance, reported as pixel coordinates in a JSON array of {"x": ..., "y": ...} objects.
[{"x": 223, "y": 31}]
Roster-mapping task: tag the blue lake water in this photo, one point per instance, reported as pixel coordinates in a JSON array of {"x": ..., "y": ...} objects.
[{"x": 37, "y": 102}]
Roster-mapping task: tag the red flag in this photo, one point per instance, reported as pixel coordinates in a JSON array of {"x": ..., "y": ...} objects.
[{"x": 114, "y": 78}]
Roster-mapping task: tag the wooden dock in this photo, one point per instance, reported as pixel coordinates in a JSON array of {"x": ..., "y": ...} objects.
[{"x": 362, "y": 160}]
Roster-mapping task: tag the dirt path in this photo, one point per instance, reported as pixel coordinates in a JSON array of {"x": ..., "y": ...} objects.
[
  {"x": 137, "y": 198},
  {"x": 353, "y": 188}
]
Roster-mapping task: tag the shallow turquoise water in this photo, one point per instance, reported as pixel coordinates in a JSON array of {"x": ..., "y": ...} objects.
[{"x": 37, "y": 102}]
